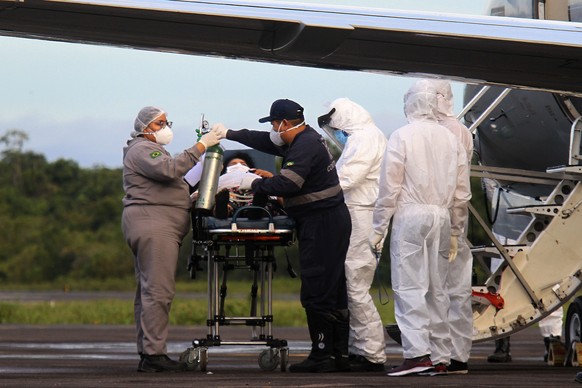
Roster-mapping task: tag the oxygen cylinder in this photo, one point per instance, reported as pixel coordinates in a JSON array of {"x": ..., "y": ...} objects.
[{"x": 209, "y": 179}]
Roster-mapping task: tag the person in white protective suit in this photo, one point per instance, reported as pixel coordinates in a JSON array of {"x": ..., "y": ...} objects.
[
  {"x": 359, "y": 170},
  {"x": 458, "y": 283},
  {"x": 424, "y": 187}
]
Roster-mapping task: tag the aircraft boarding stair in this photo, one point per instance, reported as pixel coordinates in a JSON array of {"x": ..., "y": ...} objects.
[{"x": 543, "y": 269}]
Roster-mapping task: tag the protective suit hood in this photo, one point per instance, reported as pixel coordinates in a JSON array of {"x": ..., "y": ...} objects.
[
  {"x": 349, "y": 116},
  {"x": 446, "y": 116},
  {"x": 359, "y": 164},
  {"x": 420, "y": 101},
  {"x": 445, "y": 104}
]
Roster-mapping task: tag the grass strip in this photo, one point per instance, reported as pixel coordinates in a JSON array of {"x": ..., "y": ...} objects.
[{"x": 120, "y": 312}]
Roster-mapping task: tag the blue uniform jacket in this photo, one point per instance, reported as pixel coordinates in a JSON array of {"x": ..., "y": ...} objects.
[{"x": 308, "y": 180}]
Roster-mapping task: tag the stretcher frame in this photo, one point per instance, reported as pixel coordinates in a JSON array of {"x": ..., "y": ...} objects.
[{"x": 259, "y": 237}]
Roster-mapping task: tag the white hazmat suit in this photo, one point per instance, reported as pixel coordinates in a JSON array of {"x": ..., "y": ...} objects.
[
  {"x": 359, "y": 171},
  {"x": 424, "y": 185},
  {"x": 458, "y": 283}
]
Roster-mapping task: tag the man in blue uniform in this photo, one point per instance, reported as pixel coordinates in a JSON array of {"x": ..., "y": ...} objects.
[{"x": 309, "y": 184}]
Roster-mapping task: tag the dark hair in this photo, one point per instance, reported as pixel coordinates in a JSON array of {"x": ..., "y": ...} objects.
[
  {"x": 296, "y": 121},
  {"x": 238, "y": 155}
]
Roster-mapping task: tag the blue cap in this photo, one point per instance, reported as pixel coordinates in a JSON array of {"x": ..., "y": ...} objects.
[{"x": 284, "y": 110}]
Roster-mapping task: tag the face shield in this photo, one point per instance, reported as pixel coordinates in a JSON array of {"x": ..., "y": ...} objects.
[{"x": 323, "y": 122}]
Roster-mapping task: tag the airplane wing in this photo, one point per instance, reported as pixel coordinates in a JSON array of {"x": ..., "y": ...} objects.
[{"x": 521, "y": 53}]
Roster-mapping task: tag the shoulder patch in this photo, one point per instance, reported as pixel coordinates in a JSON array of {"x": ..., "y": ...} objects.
[
  {"x": 155, "y": 154},
  {"x": 289, "y": 164}
]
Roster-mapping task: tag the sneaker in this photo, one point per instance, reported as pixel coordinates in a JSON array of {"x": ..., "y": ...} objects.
[
  {"x": 160, "y": 363},
  {"x": 412, "y": 366},
  {"x": 362, "y": 364},
  {"x": 578, "y": 377},
  {"x": 458, "y": 368},
  {"x": 436, "y": 370},
  {"x": 342, "y": 363},
  {"x": 440, "y": 369},
  {"x": 315, "y": 365}
]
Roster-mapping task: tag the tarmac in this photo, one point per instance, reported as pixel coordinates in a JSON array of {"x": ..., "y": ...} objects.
[{"x": 105, "y": 356}]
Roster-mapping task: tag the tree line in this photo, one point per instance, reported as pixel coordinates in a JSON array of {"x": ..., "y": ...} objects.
[{"x": 58, "y": 220}]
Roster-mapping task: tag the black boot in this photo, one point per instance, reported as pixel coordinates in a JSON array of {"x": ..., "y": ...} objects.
[
  {"x": 502, "y": 353},
  {"x": 341, "y": 334},
  {"x": 321, "y": 358}
]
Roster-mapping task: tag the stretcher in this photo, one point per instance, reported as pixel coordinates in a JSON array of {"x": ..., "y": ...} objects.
[{"x": 232, "y": 244}]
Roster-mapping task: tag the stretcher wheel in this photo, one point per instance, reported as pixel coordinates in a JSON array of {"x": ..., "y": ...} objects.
[
  {"x": 191, "y": 357},
  {"x": 284, "y": 353},
  {"x": 269, "y": 359},
  {"x": 203, "y": 359}
]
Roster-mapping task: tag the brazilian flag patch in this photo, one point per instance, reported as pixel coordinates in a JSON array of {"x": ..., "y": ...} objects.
[
  {"x": 289, "y": 164},
  {"x": 155, "y": 154}
]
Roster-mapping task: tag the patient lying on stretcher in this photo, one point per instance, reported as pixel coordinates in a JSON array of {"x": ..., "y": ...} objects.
[{"x": 230, "y": 198}]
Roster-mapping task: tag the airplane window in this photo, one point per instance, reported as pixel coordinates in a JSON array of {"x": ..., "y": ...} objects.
[{"x": 575, "y": 10}]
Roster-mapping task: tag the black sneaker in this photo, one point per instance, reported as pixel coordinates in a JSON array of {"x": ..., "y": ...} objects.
[
  {"x": 342, "y": 363},
  {"x": 578, "y": 377},
  {"x": 412, "y": 366},
  {"x": 362, "y": 364},
  {"x": 458, "y": 368},
  {"x": 315, "y": 365},
  {"x": 160, "y": 363}
]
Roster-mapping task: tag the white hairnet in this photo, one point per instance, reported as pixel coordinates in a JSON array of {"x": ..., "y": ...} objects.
[
  {"x": 420, "y": 101},
  {"x": 145, "y": 117},
  {"x": 349, "y": 116}
]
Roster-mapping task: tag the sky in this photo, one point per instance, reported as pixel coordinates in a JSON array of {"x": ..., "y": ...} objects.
[{"x": 79, "y": 101}]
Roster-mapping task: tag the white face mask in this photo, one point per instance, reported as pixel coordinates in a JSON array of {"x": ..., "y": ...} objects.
[
  {"x": 275, "y": 136},
  {"x": 163, "y": 136},
  {"x": 237, "y": 167}
]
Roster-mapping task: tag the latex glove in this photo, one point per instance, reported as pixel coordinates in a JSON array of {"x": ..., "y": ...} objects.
[
  {"x": 375, "y": 242},
  {"x": 246, "y": 181},
  {"x": 209, "y": 139},
  {"x": 221, "y": 130},
  {"x": 454, "y": 248}
]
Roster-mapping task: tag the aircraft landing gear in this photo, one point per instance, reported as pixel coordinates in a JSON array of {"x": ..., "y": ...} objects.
[
  {"x": 573, "y": 329},
  {"x": 574, "y": 321}
]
